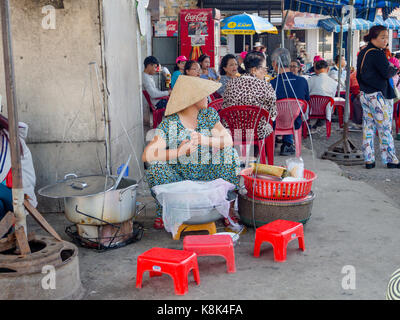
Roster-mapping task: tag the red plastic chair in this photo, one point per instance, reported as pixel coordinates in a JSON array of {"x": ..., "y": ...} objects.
[
  {"x": 279, "y": 233},
  {"x": 318, "y": 106},
  {"x": 288, "y": 111},
  {"x": 216, "y": 104},
  {"x": 157, "y": 113},
  {"x": 396, "y": 108},
  {"x": 212, "y": 245},
  {"x": 243, "y": 122},
  {"x": 176, "y": 263}
]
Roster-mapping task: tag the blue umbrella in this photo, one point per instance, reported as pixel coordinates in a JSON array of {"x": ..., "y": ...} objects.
[{"x": 246, "y": 24}]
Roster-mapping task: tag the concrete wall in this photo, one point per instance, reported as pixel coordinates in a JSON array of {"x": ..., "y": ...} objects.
[
  {"x": 53, "y": 85},
  {"x": 123, "y": 65}
]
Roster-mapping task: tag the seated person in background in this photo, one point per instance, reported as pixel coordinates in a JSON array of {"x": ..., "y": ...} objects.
[
  {"x": 321, "y": 84},
  {"x": 252, "y": 89},
  {"x": 355, "y": 99},
  {"x": 179, "y": 67},
  {"x": 228, "y": 70},
  {"x": 150, "y": 68},
  {"x": 240, "y": 58},
  {"x": 312, "y": 69},
  {"x": 207, "y": 72},
  {"x": 334, "y": 72},
  {"x": 288, "y": 85},
  {"x": 201, "y": 148},
  {"x": 28, "y": 171},
  {"x": 295, "y": 67},
  {"x": 192, "y": 68}
]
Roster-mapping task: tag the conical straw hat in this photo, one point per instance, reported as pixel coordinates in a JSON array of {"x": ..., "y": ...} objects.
[{"x": 189, "y": 90}]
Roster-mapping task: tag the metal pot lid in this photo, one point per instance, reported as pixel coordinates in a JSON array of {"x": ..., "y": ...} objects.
[{"x": 78, "y": 187}]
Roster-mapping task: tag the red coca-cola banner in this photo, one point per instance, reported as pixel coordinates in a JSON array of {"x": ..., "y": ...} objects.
[{"x": 172, "y": 28}]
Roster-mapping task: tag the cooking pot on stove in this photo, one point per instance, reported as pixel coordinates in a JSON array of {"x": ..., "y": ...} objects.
[{"x": 94, "y": 199}]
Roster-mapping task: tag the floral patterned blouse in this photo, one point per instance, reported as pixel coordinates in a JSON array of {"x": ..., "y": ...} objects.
[{"x": 249, "y": 90}]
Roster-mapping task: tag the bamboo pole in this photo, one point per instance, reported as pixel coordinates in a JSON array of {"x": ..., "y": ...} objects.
[{"x": 15, "y": 146}]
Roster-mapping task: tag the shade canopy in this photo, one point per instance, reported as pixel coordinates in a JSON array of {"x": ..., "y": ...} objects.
[
  {"x": 365, "y": 9},
  {"x": 246, "y": 24},
  {"x": 332, "y": 24}
]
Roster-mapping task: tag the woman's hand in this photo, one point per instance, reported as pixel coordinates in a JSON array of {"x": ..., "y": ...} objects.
[
  {"x": 186, "y": 148},
  {"x": 199, "y": 139}
]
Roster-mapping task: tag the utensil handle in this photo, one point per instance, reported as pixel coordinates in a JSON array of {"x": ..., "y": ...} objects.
[{"x": 70, "y": 175}]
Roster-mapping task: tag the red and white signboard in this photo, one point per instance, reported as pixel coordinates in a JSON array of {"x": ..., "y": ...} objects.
[
  {"x": 199, "y": 33},
  {"x": 172, "y": 28}
]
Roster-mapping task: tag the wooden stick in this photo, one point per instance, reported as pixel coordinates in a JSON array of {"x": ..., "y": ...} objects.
[
  {"x": 22, "y": 241},
  {"x": 6, "y": 223},
  {"x": 40, "y": 220}
]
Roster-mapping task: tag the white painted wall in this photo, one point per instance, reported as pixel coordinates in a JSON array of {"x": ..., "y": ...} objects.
[
  {"x": 312, "y": 43},
  {"x": 123, "y": 58},
  {"x": 51, "y": 71}
]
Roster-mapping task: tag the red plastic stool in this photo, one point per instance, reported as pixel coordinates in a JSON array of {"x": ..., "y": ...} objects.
[
  {"x": 279, "y": 233},
  {"x": 176, "y": 263},
  {"x": 212, "y": 245}
]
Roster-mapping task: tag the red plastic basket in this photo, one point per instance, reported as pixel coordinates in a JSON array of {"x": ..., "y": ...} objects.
[{"x": 277, "y": 190}]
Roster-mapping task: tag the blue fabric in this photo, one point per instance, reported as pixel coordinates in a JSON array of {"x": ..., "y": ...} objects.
[
  {"x": 365, "y": 9},
  {"x": 174, "y": 77},
  {"x": 284, "y": 90},
  {"x": 5, "y": 201},
  {"x": 211, "y": 74}
]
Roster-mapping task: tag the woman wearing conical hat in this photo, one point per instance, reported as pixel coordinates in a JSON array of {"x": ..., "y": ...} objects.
[{"x": 189, "y": 139}]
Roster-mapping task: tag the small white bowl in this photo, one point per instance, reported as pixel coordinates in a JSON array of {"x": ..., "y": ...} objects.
[{"x": 235, "y": 236}]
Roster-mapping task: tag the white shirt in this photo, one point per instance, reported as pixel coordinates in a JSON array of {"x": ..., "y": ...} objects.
[
  {"x": 322, "y": 85},
  {"x": 150, "y": 86},
  {"x": 334, "y": 74}
]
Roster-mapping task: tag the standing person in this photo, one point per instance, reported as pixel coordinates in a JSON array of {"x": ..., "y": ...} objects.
[
  {"x": 246, "y": 48},
  {"x": 228, "y": 70},
  {"x": 240, "y": 60},
  {"x": 263, "y": 50},
  {"x": 150, "y": 68},
  {"x": 179, "y": 67},
  {"x": 373, "y": 74},
  {"x": 288, "y": 85},
  {"x": 257, "y": 46},
  {"x": 192, "y": 68},
  {"x": 207, "y": 72}
]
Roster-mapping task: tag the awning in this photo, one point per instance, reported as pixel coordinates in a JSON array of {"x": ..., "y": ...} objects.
[
  {"x": 332, "y": 25},
  {"x": 390, "y": 23},
  {"x": 365, "y": 9}
]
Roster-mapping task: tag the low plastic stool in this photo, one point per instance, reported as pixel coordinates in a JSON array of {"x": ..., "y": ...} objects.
[
  {"x": 279, "y": 233},
  {"x": 210, "y": 227},
  {"x": 176, "y": 263},
  {"x": 212, "y": 245}
]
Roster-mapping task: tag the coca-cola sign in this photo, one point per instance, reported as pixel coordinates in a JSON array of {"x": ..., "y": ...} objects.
[
  {"x": 172, "y": 28},
  {"x": 199, "y": 17}
]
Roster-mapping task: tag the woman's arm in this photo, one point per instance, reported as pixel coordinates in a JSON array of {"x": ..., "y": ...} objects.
[
  {"x": 220, "y": 137},
  {"x": 156, "y": 150}
]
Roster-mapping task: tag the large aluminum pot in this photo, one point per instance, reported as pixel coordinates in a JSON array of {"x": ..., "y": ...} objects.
[{"x": 94, "y": 200}]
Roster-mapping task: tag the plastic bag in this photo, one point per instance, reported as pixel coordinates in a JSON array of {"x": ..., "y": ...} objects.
[
  {"x": 295, "y": 167},
  {"x": 183, "y": 200}
]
